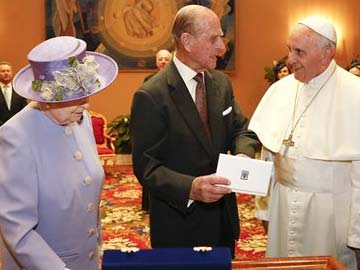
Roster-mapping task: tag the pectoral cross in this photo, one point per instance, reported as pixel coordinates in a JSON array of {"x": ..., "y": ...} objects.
[{"x": 288, "y": 143}]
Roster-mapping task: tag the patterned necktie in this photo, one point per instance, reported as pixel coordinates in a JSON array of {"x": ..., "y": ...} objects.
[
  {"x": 200, "y": 101},
  {"x": 7, "y": 95}
]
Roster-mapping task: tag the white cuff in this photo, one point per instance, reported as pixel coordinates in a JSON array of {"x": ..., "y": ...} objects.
[{"x": 262, "y": 214}]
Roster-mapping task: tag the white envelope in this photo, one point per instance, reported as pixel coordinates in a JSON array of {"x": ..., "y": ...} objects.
[{"x": 250, "y": 176}]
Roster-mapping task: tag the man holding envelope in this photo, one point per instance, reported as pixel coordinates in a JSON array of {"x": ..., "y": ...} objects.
[{"x": 181, "y": 119}]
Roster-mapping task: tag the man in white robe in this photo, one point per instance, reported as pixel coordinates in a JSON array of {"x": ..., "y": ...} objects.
[{"x": 309, "y": 125}]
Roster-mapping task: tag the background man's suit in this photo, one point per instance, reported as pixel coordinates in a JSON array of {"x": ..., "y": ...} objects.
[
  {"x": 17, "y": 103},
  {"x": 171, "y": 148}
]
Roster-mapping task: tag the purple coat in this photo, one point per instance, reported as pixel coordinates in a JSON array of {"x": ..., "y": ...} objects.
[{"x": 50, "y": 185}]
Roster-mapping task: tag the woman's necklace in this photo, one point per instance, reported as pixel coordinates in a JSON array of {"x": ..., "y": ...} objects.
[{"x": 289, "y": 142}]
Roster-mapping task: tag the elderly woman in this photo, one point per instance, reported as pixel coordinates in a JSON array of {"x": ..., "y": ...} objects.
[{"x": 50, "y": 175}]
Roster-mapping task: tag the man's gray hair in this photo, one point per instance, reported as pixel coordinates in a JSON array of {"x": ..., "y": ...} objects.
[{"x": 186, "y": 21}]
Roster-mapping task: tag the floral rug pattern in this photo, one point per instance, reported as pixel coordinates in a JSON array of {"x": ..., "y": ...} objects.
[{"x": 125, "y": 225}]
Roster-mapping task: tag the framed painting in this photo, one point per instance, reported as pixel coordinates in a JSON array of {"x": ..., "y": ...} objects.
[{"x": 132, "y": 31}]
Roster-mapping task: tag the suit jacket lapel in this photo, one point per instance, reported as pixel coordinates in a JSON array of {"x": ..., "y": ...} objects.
[
  {"x": 3, "y": 101},
  {"x": 14, "y": 98},
  {"x": 214, "y": 107},
  {"x": 182, "y": 99}
]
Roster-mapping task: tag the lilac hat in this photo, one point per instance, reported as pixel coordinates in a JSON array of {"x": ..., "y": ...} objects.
[{"x": 62, "y": 70}]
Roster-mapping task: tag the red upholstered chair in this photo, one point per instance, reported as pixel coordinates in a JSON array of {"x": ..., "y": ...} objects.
[{"x": 104, "y": 142}]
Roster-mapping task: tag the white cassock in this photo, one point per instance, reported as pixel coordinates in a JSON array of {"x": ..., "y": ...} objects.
[{"x": 315, "y": 199}]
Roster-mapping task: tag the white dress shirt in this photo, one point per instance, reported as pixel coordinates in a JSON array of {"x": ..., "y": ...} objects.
[{"x": 7, "y": 92}]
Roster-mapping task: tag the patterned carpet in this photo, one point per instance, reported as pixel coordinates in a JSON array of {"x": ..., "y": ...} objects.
[{"x": 126, "y": 225}]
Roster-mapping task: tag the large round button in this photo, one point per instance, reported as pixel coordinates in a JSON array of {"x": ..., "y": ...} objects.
[
  {"x": 68, "y": 130},
  {"x": 87, "y": 180},
  {"x": 91, "y": 207},
  {"x": 91, "y": 255},
  {"x": 91, "y": 232},
  {"x": 78, "y": 155}
]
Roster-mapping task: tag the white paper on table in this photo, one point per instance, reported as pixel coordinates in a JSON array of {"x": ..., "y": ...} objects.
[{"x": 250, "y": 176}]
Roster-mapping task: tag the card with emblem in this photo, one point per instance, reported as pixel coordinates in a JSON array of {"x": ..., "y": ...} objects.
[{"x": 250, "y": 176}]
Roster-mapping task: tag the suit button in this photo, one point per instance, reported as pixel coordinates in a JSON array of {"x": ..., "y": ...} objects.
[
  {"x": 78, "y": 155},
  {"x": 87, "y": 180},
  {"x": 91, "y": 207},
  {"x": 91, "y": 255},
  {"x": 91, "y": 232},
  {"x": 68, "y": 130}
]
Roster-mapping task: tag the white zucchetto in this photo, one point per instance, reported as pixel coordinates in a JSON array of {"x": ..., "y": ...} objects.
[{"x": 321, "y": 26}]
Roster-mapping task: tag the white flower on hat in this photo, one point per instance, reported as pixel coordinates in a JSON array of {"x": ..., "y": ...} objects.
[
  {"x": 87, "y": 74},
  {"x": 79, "y": 77},
  {"x": 47, "y": 93}
]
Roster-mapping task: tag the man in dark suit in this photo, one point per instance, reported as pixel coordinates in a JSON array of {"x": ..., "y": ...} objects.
[
  {"x": 10, "y": 101},
  {"x": 176, "y": 144}
]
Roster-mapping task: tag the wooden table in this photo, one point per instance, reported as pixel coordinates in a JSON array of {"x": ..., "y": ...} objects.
[{"x": 291, "y": 263}]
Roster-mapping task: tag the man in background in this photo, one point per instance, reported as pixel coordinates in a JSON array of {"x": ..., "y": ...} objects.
[
  {"x": 181, "y": 120},
  {"x": 307, "y": 123},
  {"x": 10, "y": 101},
  {"x": 163, "y": 57}
]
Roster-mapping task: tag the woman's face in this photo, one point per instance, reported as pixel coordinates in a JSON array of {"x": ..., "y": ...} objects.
[
  {"x": 65, "y": 113},
  {"x": 283, "y": 72}
]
